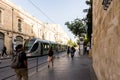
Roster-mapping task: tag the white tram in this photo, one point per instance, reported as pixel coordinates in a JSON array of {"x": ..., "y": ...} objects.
[{"x": 38, "y": 47}]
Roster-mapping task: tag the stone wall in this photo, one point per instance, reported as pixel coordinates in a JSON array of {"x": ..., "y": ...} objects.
[{"x": 106, "y": 40}]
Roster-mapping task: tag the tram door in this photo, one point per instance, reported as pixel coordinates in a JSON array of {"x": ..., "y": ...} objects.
[{"x": 1, "y": 41}]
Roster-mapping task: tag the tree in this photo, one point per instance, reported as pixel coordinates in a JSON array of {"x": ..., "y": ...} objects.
[
  {"x": 71, "y": 43},
  {"x": 76, "y": 27},
  {"x": 89, "y": 20}
]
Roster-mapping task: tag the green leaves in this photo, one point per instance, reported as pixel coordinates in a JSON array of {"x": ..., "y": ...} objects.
[
  {"x": 89, "y": 19},
  {"x": 71, "y": 43},
  {"x": 76, "y": 27}
]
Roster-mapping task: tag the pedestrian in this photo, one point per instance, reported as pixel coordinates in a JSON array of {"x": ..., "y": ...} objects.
[
  {"x": 85, "y": 50},
  {"x": 57, "y": 52},
  {"x": 4, "y": 51},
  {"x": 88, "y": 48},
  {"x": 0, "y": 57},
  {"x": 72, "y": 51},
  {"x": 50, "y": 56},
  {"x": 22, "y": 70},
  {"x": 68, "y": 51}
]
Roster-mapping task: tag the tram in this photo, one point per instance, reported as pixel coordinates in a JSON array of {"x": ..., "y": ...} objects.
[{"x": 38, "y": 47}]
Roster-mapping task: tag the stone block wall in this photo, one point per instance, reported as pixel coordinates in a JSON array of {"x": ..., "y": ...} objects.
[{"x": 106, "y": 40}]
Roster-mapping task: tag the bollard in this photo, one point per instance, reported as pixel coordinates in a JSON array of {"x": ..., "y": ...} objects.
[{"x": 37, "y": 65}]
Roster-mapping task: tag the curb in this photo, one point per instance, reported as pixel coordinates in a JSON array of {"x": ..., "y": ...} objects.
[{"x": 92, "y": 73}]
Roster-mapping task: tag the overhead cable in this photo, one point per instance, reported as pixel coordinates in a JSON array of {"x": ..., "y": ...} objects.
[{"x": 40, "y": 11}]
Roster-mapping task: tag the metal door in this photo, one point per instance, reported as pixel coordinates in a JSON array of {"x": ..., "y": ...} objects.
[{"x": 1, "y": 41}]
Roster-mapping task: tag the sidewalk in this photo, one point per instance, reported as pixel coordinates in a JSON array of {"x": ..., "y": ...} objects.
[{"x": 66, "y": 69}]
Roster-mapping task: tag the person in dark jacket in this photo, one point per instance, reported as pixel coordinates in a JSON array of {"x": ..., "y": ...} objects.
[
  {"x": 68, "y": 51},
  {"x": 72, "y": 51},
  {"x": 4, "y": 51},
  {"x": 50, "y": 56}
]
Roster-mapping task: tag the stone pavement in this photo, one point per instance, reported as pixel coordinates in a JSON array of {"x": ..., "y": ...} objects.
[{"x": 66, "y": 69}]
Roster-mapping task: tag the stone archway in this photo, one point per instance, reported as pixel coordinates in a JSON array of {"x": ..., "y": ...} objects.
[{"x": 19, "y": 40}]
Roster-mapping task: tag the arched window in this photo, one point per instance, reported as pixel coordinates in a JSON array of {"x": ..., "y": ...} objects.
[{"x": 19, "y": 40}]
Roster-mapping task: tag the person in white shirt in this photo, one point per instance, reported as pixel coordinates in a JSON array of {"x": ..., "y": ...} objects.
[{"x": 88, "y": 48}]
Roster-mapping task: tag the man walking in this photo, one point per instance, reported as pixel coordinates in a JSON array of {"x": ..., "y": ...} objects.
[
  {"x": 4, "y": 51},
  {"x": 72, "y": 51},
  {"x": 21, "y": 70}
]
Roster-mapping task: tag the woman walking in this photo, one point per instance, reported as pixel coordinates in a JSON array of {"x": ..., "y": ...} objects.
[{"x": 50, "y": 56}]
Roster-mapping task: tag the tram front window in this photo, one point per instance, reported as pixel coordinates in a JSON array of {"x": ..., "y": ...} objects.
[
  {"x": 28, "y": 44},
  {"x": 35, "y": 46}
]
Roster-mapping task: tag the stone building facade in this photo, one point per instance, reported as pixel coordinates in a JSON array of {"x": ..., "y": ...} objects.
[
  {"x": 106, "y": 39},
  {"x": 16, "y": 26}
]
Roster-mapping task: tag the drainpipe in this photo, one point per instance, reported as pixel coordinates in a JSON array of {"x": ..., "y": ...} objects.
[{"x": 12, "y": 32}]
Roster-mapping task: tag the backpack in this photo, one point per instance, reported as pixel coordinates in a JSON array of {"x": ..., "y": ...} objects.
[
  {"x": 72, "y": 50},
  {"x": 16, "y": 61}
]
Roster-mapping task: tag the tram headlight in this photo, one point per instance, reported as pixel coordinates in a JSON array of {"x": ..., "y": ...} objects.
[{"x": 28, "y": 54}]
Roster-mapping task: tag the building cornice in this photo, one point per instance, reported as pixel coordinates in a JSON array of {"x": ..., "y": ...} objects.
[
  {"x": 23, "y": 12},
  {"x": 14, "y": 32}
]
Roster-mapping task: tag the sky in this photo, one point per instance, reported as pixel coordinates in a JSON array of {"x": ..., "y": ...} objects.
[{"x": 54, "y": 11}]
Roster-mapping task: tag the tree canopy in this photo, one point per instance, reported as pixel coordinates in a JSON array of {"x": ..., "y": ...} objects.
[
  {"x": 76, "y": 27},
  {"x": 89, "y": 20}
]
